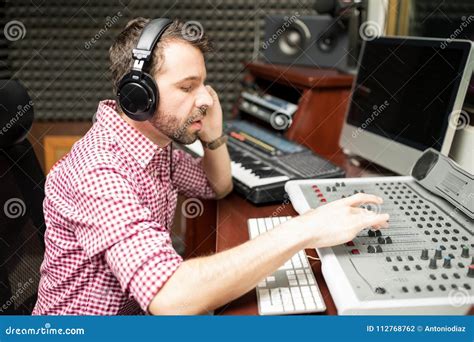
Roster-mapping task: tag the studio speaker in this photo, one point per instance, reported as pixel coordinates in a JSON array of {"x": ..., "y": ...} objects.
[{"x": 315, "y": 41}]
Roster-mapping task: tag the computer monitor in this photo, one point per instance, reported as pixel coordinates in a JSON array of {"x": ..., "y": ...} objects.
[{"x": 405, "y": 98}]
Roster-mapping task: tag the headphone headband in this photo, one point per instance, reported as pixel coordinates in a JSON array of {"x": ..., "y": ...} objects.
[
  {"x": 137, "y": 91},
  {"x": 149, "y": 37}
]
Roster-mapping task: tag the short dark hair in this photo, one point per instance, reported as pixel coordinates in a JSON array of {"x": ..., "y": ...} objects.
[{"x": 120, "y": 53}]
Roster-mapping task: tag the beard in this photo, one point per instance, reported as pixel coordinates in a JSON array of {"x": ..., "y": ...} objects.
[{"x": 175, "y": 129}]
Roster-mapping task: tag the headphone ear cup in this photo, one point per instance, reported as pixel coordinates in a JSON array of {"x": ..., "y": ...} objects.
[
  {"x": 138, "y": 95},
  {"x": 153, "y": 88}
]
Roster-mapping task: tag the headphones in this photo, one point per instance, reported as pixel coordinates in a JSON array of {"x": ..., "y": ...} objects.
[{"x": 137, "y": 91}]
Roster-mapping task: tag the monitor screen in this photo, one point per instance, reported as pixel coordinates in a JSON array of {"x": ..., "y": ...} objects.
[{"x": 405, "y": 89}]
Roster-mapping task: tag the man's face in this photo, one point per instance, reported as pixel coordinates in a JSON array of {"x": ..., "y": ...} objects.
[{"x": 183, "y": 96}]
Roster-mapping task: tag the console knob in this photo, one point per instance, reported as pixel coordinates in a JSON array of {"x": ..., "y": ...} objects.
[
  {"x": 447, "y": 262},
  {"x": 432, "y": 264},
  {"x": 470, "y": 271},
  {"x": 424, "y": 254}
]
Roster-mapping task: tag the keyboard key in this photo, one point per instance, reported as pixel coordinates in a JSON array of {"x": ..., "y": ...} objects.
[
  {"x": 275, "y": 296},
  {"x": 276, "y": 221},
  {"x": 264, "y": 295},
  {"x": 304, "y": 261},
  {"x": 303, "y": 281},
  {"x": 253, "y": 229},
  {"x": 287, "y": 300},
  {"x": 295, "y": 292}
]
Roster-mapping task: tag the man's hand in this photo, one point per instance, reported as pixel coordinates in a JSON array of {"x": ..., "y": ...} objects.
[
  {"x": 340, "y": 221},
  {"x": 212, "y": 122},
  {"x": 216, "y": 163}
]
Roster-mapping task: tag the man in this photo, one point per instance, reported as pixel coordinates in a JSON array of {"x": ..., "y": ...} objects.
[{"x": 109, "y": 203}]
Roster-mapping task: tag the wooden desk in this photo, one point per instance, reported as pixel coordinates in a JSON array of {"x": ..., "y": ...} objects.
[{"x": 232, "y": 215}]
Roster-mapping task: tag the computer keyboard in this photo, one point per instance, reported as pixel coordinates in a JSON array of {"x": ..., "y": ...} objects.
[{"x": 292, "y": 289}]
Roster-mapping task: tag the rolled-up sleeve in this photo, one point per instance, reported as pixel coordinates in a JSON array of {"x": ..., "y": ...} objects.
[
  {"x": 143, "y": 263},
  {"x": 189, "y": 176},
  {"x": 113, "y": 223}
]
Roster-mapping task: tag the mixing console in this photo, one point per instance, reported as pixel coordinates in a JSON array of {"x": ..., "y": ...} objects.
[{"x": 422, "y": 264}]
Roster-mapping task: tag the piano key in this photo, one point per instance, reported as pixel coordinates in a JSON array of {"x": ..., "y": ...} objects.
[
  {"x": 246, "y": 175},
  {"x": 251, "y": 180}
]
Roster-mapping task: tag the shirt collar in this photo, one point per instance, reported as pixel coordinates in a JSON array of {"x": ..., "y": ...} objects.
[{"x": 139, "y": 146}]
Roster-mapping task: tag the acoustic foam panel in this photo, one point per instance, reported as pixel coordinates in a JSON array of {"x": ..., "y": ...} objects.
[{"x": 63, "y": 57}]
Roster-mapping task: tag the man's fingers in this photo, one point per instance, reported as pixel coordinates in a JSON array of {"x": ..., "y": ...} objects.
[
  {"x": 376, "y": 219},
  {"x": 366, "y": 218},
  {"x": 380, "y": 226}
]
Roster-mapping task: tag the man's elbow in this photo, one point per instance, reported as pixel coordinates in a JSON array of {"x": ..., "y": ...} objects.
[
  {"x": 225, "y": 191},
  {"x": 163, "y": 307}
]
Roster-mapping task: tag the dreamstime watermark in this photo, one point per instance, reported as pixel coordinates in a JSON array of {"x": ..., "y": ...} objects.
[
  {"x": 21, "y": 110},
  {"x": 458, "y": 297},
  {"x": 14, "y": 208},
  {"x": 18, "y": 293},
  {"x": 280, "y": 121},
  {"x": 459, "y": 119},
  {"x": 282, "y": 206},
  {"x": 192, "y": 30},
  {"x": 369, "y": 30},
  {"x": 14, "y": 30},
  {"x": 109, "y": 22},
  {"x": 377, "y": 110},
  {"x": 375, "y": 208},
  {"x": 286, "y": 24},
  {"x": 179, "y": 132},
  {"x": 106, "y": 293},
  {"x": 46, "y": 330},
  {"x": 464, "y": 24},
  {"x": 192, "y": 208},
  {"x": 125, "y": 3}
]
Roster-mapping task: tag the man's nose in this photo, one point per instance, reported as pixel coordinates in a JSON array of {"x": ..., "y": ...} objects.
[{"x": 204, "y": 99}]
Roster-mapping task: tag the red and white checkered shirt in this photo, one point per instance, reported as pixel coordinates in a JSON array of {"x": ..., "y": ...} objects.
[{"x": 108, "y": 208}]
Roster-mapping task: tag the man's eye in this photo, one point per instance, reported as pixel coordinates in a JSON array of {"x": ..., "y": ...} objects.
[{"x": 186, "y": 89}]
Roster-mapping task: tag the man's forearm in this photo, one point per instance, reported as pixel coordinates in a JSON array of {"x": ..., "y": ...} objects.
[
  {"x": 203, "y": 284},
  {"x": 216, "y": 164},
  {"x": 206, "y": 283}
]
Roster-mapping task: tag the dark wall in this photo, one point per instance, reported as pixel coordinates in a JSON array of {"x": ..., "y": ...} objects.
[
  {"x": 60, "y": 51},
  {"x": 4, "y": 73},
  {"x": 440, "y": 18}
]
